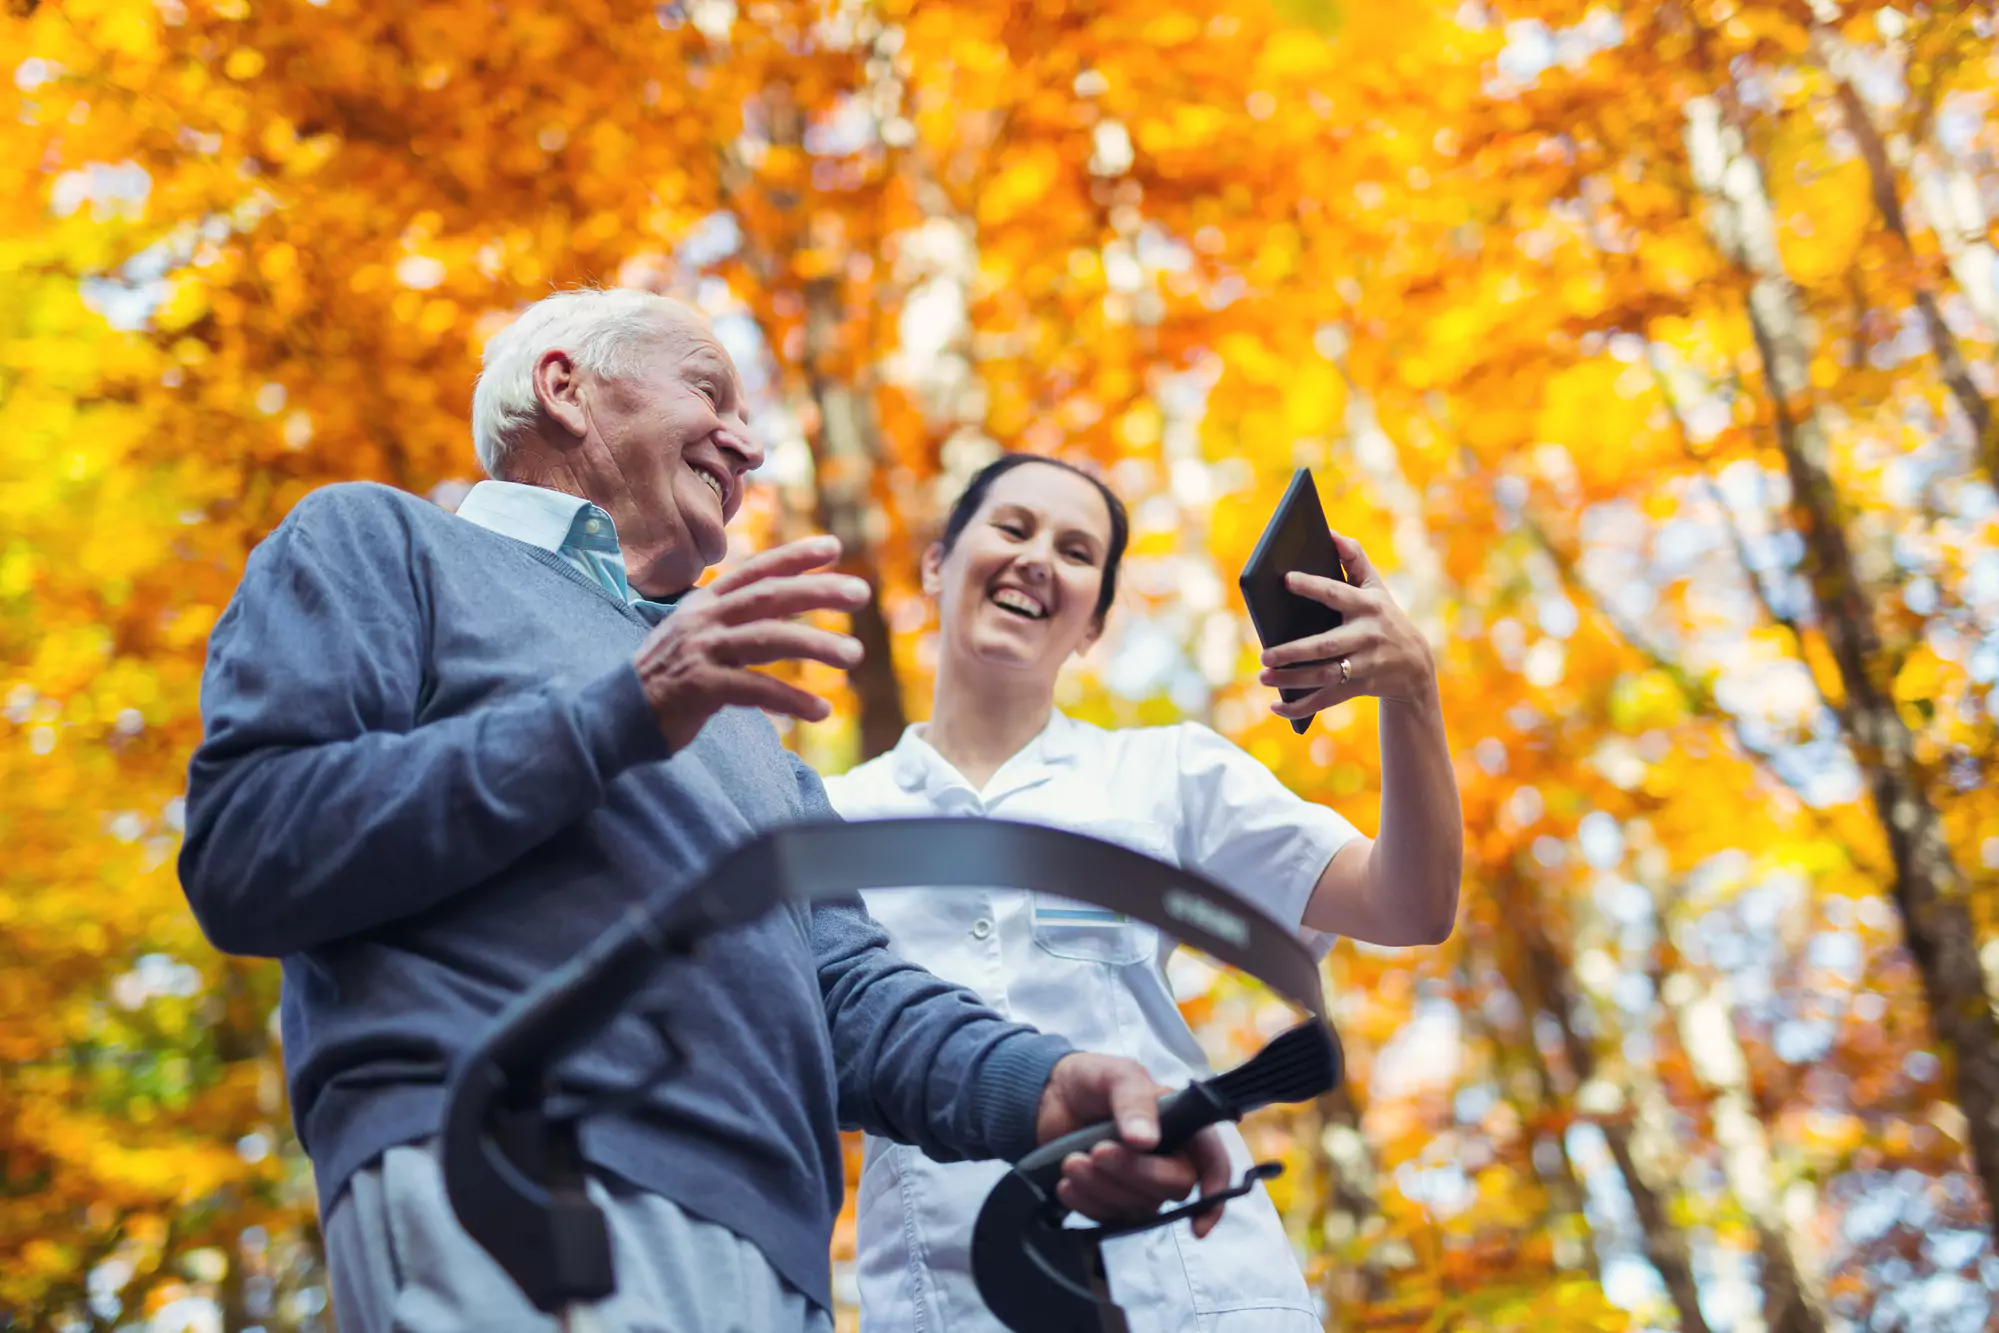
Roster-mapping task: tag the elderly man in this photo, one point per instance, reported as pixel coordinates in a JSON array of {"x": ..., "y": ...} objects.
[{"x": 443, "y": 752}]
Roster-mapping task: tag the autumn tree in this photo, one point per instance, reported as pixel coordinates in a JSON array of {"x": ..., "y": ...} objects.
[
  {"x": 1650, "y": 350},
  {"x": 1641, "y": 324}
]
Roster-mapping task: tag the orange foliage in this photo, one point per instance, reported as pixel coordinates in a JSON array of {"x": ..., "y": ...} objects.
[{"x": 1462, "y": 260}]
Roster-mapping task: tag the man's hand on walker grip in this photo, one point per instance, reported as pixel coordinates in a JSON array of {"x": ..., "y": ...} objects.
[{"x": 1115, "y": 1182}]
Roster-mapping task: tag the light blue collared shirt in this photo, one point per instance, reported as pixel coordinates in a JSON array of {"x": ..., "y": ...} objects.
[{"x": 564, "y": 525}]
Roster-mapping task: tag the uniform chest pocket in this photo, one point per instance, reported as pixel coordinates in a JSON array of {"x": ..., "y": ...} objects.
[{"x": 1087, "y": 933}]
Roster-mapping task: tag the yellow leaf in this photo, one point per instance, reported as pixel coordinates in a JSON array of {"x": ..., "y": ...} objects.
[{"x": 1921, "y": 676}]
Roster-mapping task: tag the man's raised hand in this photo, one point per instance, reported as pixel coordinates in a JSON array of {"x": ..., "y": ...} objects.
[{"x": 699, "y": 660}]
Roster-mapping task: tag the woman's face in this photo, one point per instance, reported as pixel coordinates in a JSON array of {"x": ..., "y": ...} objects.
[{"x": 1019, "y": 588}]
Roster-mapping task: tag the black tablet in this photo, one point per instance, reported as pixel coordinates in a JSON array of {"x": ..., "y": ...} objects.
[{"x": 1296, "y": 538}]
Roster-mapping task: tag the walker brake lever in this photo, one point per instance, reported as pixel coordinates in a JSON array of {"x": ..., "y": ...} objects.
[{"x": 1251, "y": 1178}]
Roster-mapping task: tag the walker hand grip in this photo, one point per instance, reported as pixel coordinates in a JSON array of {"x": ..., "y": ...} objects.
[{"x": 1182, "y": 1115}]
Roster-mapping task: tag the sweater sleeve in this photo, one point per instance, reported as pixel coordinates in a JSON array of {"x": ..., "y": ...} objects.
[
  {"x": 316, "y": 806},
  {"x": 920, "y": 1060}
]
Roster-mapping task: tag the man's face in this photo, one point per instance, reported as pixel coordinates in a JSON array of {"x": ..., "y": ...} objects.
[{"x": 678, "y": 443}]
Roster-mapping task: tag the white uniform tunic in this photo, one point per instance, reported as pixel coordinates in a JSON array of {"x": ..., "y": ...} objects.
[{"x": 1183, "y": 795}]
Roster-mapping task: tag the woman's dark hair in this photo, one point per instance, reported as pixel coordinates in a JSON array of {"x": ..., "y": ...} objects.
[{"x": 974, "y": 495}]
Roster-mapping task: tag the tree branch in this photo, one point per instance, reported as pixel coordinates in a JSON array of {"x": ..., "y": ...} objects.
[{"x": 1951, "y": 365}]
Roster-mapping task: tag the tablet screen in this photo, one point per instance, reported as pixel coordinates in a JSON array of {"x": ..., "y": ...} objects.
[{"x": 1296, "y": 538}]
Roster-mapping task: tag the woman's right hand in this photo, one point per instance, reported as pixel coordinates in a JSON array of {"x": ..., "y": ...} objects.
[
  {"x": 1375, "y": 650},
  {"x": 698, "y": 660}
]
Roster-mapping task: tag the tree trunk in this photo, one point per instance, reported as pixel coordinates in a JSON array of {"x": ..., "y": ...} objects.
[
  {"x": 1524, "y": 964},
  {"x": 1791, "y": 1287},
  {"x": 846, "y": 445},
  {"x": 1951, "y": 364},
  {"x": 1952, "y": 202},
  {"x": 844, "y": 451},
  {"x": 1640, "y": 1163},
  {"x": 1350, "y": 1199},
  {"x": 1928, "y": 887},
  {"x": 1568, "y": 1215},
  {"x": 1665, "y": 1244}
]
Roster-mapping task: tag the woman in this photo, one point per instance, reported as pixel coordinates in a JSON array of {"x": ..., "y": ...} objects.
[{"x": 1023, "y": 578}]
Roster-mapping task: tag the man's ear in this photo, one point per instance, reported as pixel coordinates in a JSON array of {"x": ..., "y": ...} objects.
[
  {"x": 931, "y": 566},
  {"x": 558, "y": 387}
]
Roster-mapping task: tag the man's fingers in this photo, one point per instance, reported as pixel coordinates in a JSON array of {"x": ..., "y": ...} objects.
[
  {"x": 762, "y": 642},
  {"x": 1210, "y": 1158},
  {"x": 692, "y": 665},
  {"x": 753, "y": 689},
  {"x": 1115, "y": 1183},
  {"x": 799, "y": 557},
  {"x": 778, "y": 597},
  {"x": 1134, "y": 1100},
  {"x": 1084, "y": 1198},
  {"x": 1107, "y": 1194},
  {"x": 1158, "y": 1177}
]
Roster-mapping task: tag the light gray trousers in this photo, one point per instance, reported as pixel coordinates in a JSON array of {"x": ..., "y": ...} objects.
[{"x": 400, "y": 1263}]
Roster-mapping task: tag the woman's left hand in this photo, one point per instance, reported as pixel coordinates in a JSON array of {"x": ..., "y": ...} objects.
[{"x": 1375, "y": 650}]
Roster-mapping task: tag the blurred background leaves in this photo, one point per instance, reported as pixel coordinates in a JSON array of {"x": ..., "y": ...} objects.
[{"x": 1649, "y": 347}]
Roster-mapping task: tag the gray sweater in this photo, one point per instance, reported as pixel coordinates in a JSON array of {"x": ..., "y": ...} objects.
[{"x": 429, "y": 775}]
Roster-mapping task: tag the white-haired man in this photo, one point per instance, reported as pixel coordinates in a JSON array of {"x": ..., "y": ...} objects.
[{"x": 442, "y": 752}]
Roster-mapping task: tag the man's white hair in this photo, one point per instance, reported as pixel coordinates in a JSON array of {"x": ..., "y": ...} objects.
[{"x": 606, "y": 330}]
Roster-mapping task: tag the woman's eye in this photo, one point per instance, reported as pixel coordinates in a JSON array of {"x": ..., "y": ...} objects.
[{"x": 1013, "y": 530}]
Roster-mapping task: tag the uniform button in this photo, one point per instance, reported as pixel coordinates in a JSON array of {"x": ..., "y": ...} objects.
[
  {"x": 593, "y": 527},
  {"x": 981, "y": 928}
]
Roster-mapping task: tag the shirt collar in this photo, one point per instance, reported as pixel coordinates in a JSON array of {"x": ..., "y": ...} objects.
[
  {"x": 532, "y": 514},
  {"x": 915, "y": 761},
  {"x": 564, "y": 525}
]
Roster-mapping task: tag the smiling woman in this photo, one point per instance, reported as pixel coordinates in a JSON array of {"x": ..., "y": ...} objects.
[
  {"x": 1073, "y": 531},
  {"x": 1024, "y": 576}
]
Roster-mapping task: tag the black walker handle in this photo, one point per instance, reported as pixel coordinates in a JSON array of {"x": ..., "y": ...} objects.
[{"x": 1182, "y": 1115}]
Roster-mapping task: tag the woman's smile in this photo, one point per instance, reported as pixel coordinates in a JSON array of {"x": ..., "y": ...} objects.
[{"x": 1019, "y": 602}]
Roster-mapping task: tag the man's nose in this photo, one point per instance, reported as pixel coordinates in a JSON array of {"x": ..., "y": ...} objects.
[{"x": 741, "y": 443}]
